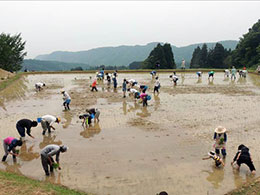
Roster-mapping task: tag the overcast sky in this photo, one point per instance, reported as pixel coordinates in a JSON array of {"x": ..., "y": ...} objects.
[{"x": 81, "y": 25}]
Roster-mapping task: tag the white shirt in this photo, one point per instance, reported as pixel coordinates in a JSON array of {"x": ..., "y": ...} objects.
[
  {"x": 157, "y": 83},
  {"x": 133, "y": 90},
  {"x": 131, "y": 81},
  {"x": 49, "y": 118},
  {"x": 66, "y": 96},
  {"x": 39, "y": 84},
  {"x": 174, "y": 77}
]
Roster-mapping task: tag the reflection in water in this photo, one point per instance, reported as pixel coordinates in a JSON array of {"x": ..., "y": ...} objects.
[
  {"x": 53, "y": 178},
  {"x": 232, "y": 82},
  {"x": 226, "y": 79},
  {"x": 91, "y": 131},
  {"x": 241, "y": 80},
  {"x": 210, "y": 82},
  {"x": 238, "y": 179},
  {"x": 157, "y": 101},
  {"x": 49, "y": 139},
  {"x": 144, "y": 112},
  {"x": 14, "y": 168},
  {"x": 68, "y": 116},
  {"x": 216, "y": 176},
  {"x": 27, "y": 154},
  {"x": 182, "y": 78},
  {"x": 135, "y": 107},
  {"x": 124, "y": 107},
  {"x": 199, "y": 80}
]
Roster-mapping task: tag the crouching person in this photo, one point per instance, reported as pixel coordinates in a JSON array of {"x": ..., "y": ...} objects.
[
  {"x": 243, "y": 156},
  {"x": 86, "y": 119},
  {"x": 47, "y": 121},
  {"x": 9, "y": 145},
  {"x": 216, "y": 158},
  {"x": 46, "y": 157},
  {"x": 94, "y": 112}
]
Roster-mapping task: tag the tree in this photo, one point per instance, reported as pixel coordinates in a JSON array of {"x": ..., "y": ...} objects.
[
  {"x": 162, "y": 55},
  {"x": 247, "y": 51},
  {"x": 135, "y": 65},
  {"x": 79, "y": 68},
  {"x": 195, "y": 60},
  {"x": 11, "y": 52},
  {"x": 203, "y": 61},
  {"x": 217, "y": 56}
]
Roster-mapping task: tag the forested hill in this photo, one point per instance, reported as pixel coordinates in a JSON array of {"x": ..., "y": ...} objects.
[
  {"x": 40, "y": 65},
  {"x": 124, "y": 55}
]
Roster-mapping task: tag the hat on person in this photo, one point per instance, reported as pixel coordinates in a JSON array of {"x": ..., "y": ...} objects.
[
  {"x": 62, "y": 91},
  {"x": 64, "y": 148},
  {"x": 220, "y": 130},
  {"x": 58, "y": 119}
]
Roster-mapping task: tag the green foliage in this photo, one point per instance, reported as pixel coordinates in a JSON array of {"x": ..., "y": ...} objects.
[
  {"x": 247, "y": 52},
  {"x": 11, "y": 52},
  {"x": 218, "y": 57},
  {"x": 162, "y": 55},
  {"x": 79, "y": 68},
  {"x": 135, "y": 65}
]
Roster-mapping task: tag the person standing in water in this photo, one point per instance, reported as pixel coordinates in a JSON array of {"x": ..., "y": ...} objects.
[
  {"x": 233, "y": 73},
  {"x": 220, "y": 138},
  {"x": 66, "y": 99},
  {"x": 156, "y": 85},
  {"x": 47, "y": 121},
  {"x": 124, "y": 88}
]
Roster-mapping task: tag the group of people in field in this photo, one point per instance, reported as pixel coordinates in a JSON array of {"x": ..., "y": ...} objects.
[
  {"x": 241, "y": 157},
  {"x": 136, "y": 90},
  {"x": 24, "y": 126}
]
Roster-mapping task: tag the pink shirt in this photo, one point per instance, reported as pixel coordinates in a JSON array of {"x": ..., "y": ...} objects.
[
  {"x": 143, "y": 95},
  {"x": 8, "y": 140}
]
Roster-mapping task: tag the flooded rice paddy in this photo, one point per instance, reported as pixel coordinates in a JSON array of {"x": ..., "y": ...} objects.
[{"x": 136, "y": 150}]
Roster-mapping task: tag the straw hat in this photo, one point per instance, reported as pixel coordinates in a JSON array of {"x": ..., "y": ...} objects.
[{"x": 220, "y": 130}]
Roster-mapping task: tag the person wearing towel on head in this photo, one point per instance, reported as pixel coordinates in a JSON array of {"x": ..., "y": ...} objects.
[
  {"x": 220, "y": 138},
  {"x": 46, "y": 157},
  {"x": 47, "y": 122}
]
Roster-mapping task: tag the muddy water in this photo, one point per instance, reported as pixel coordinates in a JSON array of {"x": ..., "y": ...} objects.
[{"x": 136, "y": 150}]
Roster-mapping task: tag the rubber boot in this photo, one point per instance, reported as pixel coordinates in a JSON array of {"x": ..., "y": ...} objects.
[{"x": 4, "y": 158}]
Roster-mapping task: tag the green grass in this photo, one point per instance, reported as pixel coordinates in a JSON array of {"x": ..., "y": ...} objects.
[
  {"x": 5, "y": 83},
  {"x": 11, "y": 183}
]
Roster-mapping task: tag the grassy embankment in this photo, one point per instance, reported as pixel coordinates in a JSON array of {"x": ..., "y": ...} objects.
[
  {"x": 5, "y": 83},
  {"x": 11, "y": 183}
]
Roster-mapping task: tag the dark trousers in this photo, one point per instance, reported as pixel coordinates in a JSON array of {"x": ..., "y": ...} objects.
[
  {"x": 247, "y": 161},
  {"x": 94, "y": 88},
  {"x": 46, "y": 164},
  {"x": 223, "y": 151},
  {"x": 145, "y": 101},
  {"x": 21, "y": 130},
  {"x": 156, "y": 89}
]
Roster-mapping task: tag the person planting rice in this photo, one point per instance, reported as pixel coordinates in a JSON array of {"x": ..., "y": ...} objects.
[
  {"x": 47, "y": 121},
  {"x": 233, "y": 73},
  {"x": 94, "y": 85},
  {"x": 174, "y": 78},
  {"x": 216, "y": 158},
  {"x": 66, "y": 99},
  {"x": 220, "y": 138},
  {"x": 10, "y": 144},
  {"x": 157, "y": 85},
  {"x": 226, "y": 73},
  {"x": 46, "y": 157},
  {"x": 134, "y": 93},
  {"x": 211, "y": 74},
  {"x": 153, "y": 73},
  {"x": 243, "y": 156},
  {"x": 86, "y": 119},
  {"x": 199, "y": 73},
  {"x": 132, "y": 82},
  {"x": 114, "y": 82},
  {"x": 124, "y": 87},
  {"x": 39, "y": 86},
  {"x": 144, "y": 98},
  {"x": 143, "y": 88},
  {"x": 108, "y": 79},
  {"x": 25, "y": 123},
  {"x": 94, "y": 113}
]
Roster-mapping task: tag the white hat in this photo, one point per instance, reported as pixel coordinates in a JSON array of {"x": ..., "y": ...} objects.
[{"x": 220, "y": 130}]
